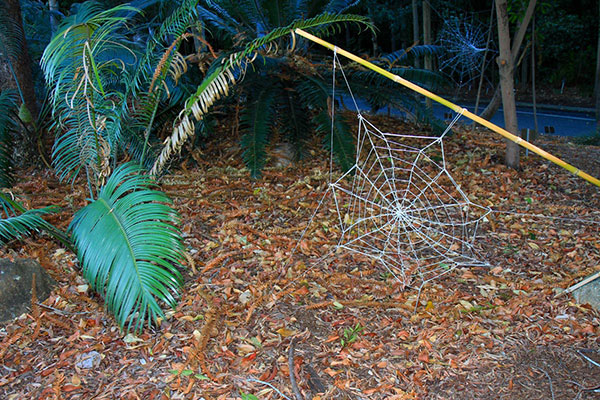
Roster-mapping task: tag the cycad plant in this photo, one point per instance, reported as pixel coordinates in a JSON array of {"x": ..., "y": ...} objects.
[
  {"x": 286, "y": 94},
  {"x": 283, "y": 94},
  {"x": 105, "y": 92}
]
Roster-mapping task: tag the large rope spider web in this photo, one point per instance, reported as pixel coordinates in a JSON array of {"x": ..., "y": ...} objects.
[{"x": 398, "y": 206}]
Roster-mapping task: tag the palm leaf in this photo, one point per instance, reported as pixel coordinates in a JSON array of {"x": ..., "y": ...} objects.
[
  {"x": 217, "y": 83},
  {"x": 128, "y": 246},
  {"x": 293, "y": 120},
  {"x": 255, "y": 123},
  {"x": 8, "y": 108},
  {"x": 82, "y": 66},
  {"x": 340, "y": 6},
  {"x": 17, "y": 222},
  {"x": 12, "y": 35},
  {"x": 342, "y": 141}
]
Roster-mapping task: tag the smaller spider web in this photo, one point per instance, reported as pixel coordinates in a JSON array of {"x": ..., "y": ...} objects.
[
  {"x": 466, "y": 46},
  {"x": 399, "y": 206}
]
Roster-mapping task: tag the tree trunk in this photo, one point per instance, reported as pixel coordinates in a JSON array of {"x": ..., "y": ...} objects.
[
  {"x": 492, "y": 107},
  {"x": 427, "y": 39},
  {"x": 20, "y": 64},
  {"x": 505, "y": 64},
  {"x": 597, "y": 84},
  {"x": 416, "y": 34},
  {"x": 53, "y": 7}
]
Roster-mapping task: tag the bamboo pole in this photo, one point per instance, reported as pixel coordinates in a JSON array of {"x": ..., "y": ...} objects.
[{"x": 453, "y": 107}]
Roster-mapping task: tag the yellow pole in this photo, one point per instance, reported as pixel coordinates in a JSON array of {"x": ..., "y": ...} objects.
[{"x": 452, "y": 106}]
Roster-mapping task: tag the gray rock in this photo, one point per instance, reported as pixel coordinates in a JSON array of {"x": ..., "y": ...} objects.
[
  {"x": 588, "y": 293},
  {"x": 89, "y": 360},
  {"x": 15, "y": 286}
]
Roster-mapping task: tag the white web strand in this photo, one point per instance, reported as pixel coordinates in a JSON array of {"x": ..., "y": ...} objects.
[{"x": 400, "y": 207}]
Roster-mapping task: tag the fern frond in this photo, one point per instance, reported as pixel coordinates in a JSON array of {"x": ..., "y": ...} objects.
[
  {"x": 343, "y": 141},
  {"x": 17, "y": 222},
  {"x": 217, "y": 84},
  {"x": 213, "y": 87},
  {"x": 8, "y": 109},
  {"x": 255, "y": 124}
]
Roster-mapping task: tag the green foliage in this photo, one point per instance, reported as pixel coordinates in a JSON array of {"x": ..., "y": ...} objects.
[
  {"x": 565, "y": 48},
  {"x": 8, "y": 107},
  {"x": 248, "y": 396},
  {"x": 259, "y": 37},
  {"x": 80, "y": 65},
  {"x": 350, "y": 335},
  {"x": 256, "y": 123},
  {"x": 109, "y": 90},
  {"x": 128, "y": 247},
  {"x": 17, "y": 222}
]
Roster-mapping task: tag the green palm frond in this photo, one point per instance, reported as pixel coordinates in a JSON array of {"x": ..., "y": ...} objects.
[
  {"x": 404, "y": 55},
  {"x": 128, "y": 246},
  {"x": 12, "y": 35},
  {"x": 174, "y": 26},
  {"x": 217, "y": 83},
  {"x": 293, "y": 120},
  {"x": 342, "y": 141},
  {"x": 340, "y": 6},
  {"x": 17, "y": 222},
  {"x": 255, "y": 124},
  {"x": 8, "y": 109},
  {"x": 82, "y": 65}
]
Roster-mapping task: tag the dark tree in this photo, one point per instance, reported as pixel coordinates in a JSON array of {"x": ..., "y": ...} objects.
[{"x": 15, "y": 62}]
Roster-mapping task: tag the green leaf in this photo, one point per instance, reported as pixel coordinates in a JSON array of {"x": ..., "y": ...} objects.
[
  {"x": 256, "y": 122},
  {"x": 8, "y": 107},
  {"x": 343, "y": 141},
  {"x": 16, "y": 221},
  {"x": 248, "y": 396},
  {"x": 128, "y": 245}
]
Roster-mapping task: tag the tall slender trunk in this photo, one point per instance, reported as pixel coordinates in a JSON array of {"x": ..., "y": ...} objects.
[
  {"x": 427, "y": 39},
  {"x": 494, "y": 104},
  {"x": 415, "y": 21},
  {"x": 505, "y": 64},
  {"x": 53, "y": 7},
  {"x": 597, "y": 84}
]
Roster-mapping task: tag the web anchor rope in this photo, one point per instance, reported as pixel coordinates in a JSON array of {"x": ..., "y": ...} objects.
[{"x": 454, "y": 107}]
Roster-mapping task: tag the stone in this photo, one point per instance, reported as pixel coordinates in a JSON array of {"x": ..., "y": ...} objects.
[
  {"x": 588, "y": 293},
  {"x": 89, "y": 360},
  {"x": 16, "y": 278}
]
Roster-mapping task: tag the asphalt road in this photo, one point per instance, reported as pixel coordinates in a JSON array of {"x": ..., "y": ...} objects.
[
  {"x": 550, "y": 119},
  {"x": 554, "y": 120}
]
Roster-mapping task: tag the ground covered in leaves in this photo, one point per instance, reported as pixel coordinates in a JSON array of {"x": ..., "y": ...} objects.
[{"x": 251, "y": 310}]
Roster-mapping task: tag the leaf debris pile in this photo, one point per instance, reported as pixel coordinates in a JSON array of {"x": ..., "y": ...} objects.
[{"x": 497, "y": 332}]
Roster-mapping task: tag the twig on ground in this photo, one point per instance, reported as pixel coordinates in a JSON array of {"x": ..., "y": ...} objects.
[
  {"x": 549, "y": 380},
  {"x": 580, "y": 352},
  {"x": 295, "y": 388},
  {"x": 269, "y": 385}
]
